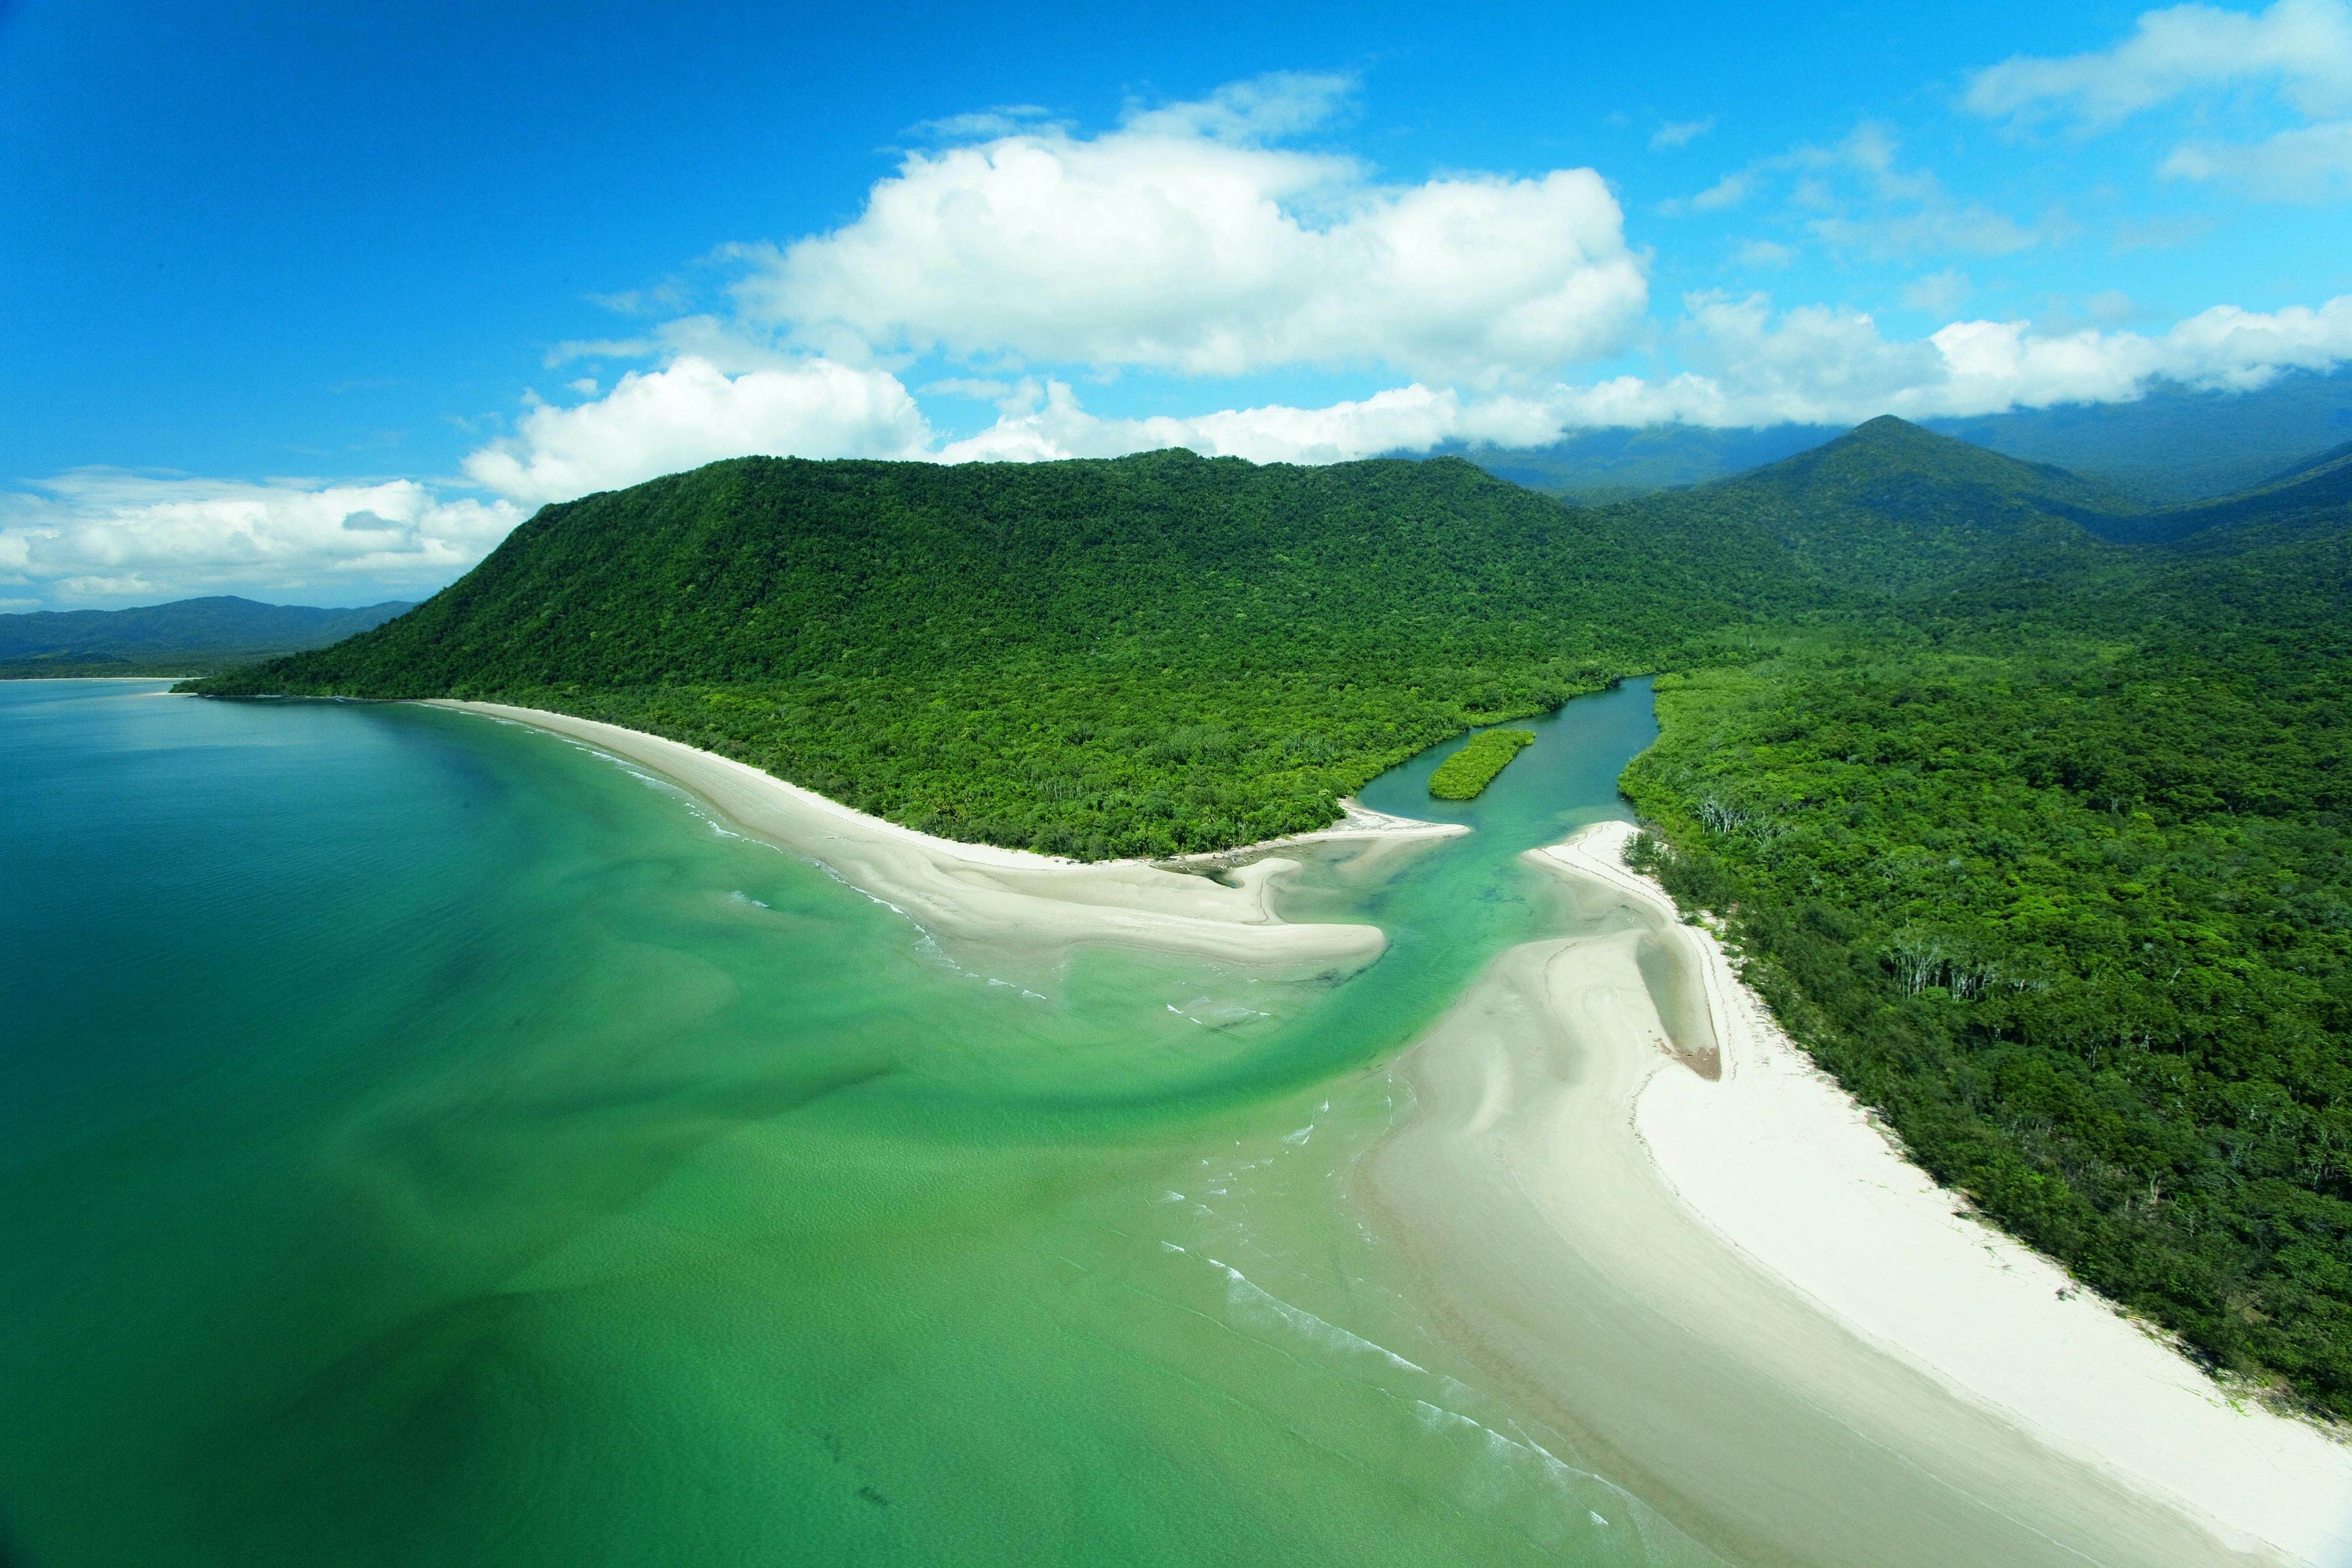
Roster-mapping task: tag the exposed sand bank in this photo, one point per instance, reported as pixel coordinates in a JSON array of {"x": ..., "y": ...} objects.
[
  {"x": 1783, "y": 1165},
  {"x": 1359, "y": 822},
  {"x": 1734, "y": 1296},
  {"x": 976, "y": 893}
]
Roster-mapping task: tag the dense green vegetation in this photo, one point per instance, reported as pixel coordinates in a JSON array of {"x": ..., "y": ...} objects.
[
  {"x": 2028, "y": 806},
  {"x": 185, "y": 637},
  {"x": 2062, "y": 882},
  {"x": 1466, "y": 773},
  {"x": 1150, "y": 656}
]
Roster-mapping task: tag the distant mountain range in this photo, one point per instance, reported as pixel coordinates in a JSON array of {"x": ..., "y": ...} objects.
[
  {"x": 188, "y": 636},
  {"x": 2170, "y": 447}
]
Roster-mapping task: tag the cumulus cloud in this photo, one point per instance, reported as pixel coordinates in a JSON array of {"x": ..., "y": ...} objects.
[
  {"x": 101, "y": 535},
  {"x": 691, "y": 413},
  {"x": 2304, "y": 46},
  {"x": 1046, "y": 421},
  {"x": 1679, "y": 134},
  {"x": 1749, "y": 366},
  {"x": 1938, "y": 293},
  {"x": 1188, "y": 239},
  {"x": 1817, "y": 366}
]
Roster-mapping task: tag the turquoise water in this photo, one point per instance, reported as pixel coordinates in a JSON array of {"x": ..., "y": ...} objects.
[{"x": 424, "y": 1140}]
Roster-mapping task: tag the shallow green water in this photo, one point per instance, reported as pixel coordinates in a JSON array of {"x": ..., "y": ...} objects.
[{"x": 423, "y": 1141}]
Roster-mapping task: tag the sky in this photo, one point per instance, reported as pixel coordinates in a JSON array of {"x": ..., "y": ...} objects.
[{"x": 315, "y": 303}]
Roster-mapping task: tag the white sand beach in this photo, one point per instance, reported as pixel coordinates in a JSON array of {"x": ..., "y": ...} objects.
[
  {"x": 1357, "y": 822},
  {"x": 1761, "y": 1233},
  {"x": 977, "y": 892},
  {"x": 1782, "y": 1163}
]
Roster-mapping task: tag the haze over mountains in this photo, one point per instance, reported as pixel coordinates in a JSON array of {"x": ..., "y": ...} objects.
[
  {"x": 2172, "y": 445},
  {"x": 184, "y": 636}
]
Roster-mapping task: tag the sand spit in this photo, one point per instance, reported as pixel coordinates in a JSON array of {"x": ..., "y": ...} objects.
[
  {"x": 1359, "y": 821},
  {"x": 1781, "y": 1165},
  {"x": 979, "y": 893}
]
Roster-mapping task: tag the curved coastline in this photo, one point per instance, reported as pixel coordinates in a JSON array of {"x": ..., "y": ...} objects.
[
  {"x": 981, "y": 893},
  {"x": 1783, "y": 1165},
  {"x": 1738, "y": 1293}
]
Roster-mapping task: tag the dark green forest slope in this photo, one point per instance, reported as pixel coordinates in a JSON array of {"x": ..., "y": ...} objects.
[
  {"x": 1140, "y": 657},
  {"x": 2028, "y": 807}
]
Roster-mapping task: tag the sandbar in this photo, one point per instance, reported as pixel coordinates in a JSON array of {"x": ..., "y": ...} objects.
[{"x": 978, "y": 892}]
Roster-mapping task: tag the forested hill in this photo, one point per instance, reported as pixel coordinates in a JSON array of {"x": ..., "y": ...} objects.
[
  {"x": 1150, "y": 655},
  {"x": 1889, "y": 510},
  {"x": 2031, "y": 812},
  {"x": 186, "y": 634},
  {"x": 2055, "y": 870},
  {"x": 1161, "y": 652},
  {"x": 2311, "y": 495},
  {"x": 765, "y": 569}
]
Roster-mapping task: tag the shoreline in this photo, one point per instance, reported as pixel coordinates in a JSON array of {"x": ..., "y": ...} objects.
[
  {"x": 1783, "y": 1167},
  {"x": 980, "y": 893}
]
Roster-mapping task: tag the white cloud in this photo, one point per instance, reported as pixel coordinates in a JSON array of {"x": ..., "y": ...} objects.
[
  {"x": 1728, "y": 192},
  {"x": 2304, "y": 46},
  {"x": 1279, "y": 104},
  {"x": 2313, "y": 162},
  {"x": 1812, "y": 364},
  {"x": 1679, "y": 134},
  {"x": 1046, "y": 422},
  {"x": 1938, "y": 293},
  {"x": 1185, "y": 240},
  {"x": 659, "y": 422},
  {"x": 998, "y": 121},
  {"x": 1817, "y": 366},
  {"x": 1857, "y": 197},
  {"x": 1939, "y": 226},
  {"x": 1762, "y": 253},
  {"x": 100, "y": 534}
]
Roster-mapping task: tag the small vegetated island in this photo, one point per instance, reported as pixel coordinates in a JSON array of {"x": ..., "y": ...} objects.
[
  {"x": 2029, "y": 808},
  {"x": 1465, "y": 775}
]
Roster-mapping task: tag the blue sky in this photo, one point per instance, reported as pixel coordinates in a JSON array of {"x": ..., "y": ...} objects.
[{"x": 312, "y": 305}]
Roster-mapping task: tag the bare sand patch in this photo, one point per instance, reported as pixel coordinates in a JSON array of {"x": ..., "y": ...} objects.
[{"x": 977, "y": 892}]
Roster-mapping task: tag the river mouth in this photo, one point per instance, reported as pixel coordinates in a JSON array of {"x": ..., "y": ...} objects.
[{"x": 434, "y": 1141}]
